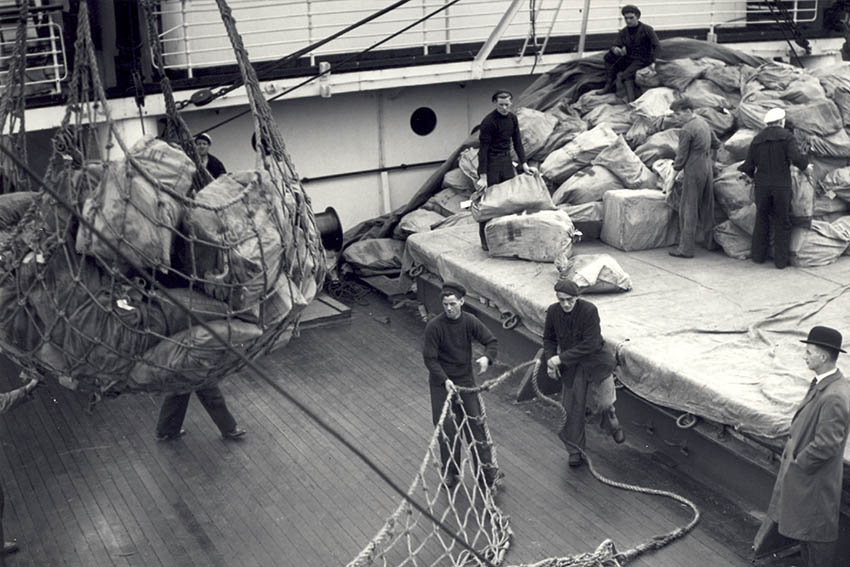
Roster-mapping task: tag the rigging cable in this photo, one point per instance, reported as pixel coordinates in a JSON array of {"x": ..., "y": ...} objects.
[
  {"x": 342, "y": 63},
  {"x": 205, "y": 96},
  {"x": 315, "y": 418}
]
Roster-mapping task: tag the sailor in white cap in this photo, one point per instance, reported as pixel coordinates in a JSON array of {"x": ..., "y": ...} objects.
[
  {"x": 768, "y": 162},
  {"x": 203, "y": 142}
]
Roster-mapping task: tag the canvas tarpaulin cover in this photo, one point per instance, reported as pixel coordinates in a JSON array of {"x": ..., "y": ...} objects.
[{"x": 733, "y": 356}]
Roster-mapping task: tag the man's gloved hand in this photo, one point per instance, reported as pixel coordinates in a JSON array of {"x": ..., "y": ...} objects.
[
  {"x": 553, "y": 367},
  {"x": 483, "y": 364}
]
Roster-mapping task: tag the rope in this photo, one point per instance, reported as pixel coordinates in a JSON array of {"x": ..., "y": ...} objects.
[
  {"x": 12, "y": 107},
  {"x": 653, "y": 544}
]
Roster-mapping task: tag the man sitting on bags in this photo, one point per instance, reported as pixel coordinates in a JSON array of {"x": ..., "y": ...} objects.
[
  {"x": 634, "y": 49},
  {"x": 574, "y": 352}
]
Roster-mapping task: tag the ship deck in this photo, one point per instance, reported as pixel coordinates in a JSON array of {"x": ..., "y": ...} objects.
[{"x": 98, "y": 490}]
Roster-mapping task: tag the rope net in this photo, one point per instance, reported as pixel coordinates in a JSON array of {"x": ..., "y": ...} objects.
[
  {"x": 12, "y": 97},
  {"x": 107, "y": 272},
  {"x": 468, "y": 509}
]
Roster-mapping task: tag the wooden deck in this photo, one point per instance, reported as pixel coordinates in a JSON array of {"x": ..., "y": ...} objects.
[{"x": 99, "y": 490}]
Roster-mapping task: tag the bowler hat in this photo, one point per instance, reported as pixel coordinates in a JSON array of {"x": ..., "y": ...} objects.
[{"x": 825, "y": 337}]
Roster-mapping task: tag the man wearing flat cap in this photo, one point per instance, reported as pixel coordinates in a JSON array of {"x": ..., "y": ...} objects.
[
  {"x": 448, "y": 356},
  {"x": 807, "y": 494},
  {"x": 574, "y": 353},
  {"x": 212, "y": 163},
  {"x": 634, "y": 49},
  {"x": 768, "y": 162}
]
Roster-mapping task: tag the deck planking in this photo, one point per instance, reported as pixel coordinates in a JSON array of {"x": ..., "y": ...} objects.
[{"x": 98, "y": 490}]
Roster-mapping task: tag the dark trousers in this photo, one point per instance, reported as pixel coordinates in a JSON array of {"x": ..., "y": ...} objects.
[
  {"x": 773, "y": 207},
  {"x": 624, "y": 66},
  {"x": 697, "y": 183},
  {"x": 473, "y": 430},
  {"x": 173, "y": 411},
  {"x": 818, "y": 554},
  {"x": 574, "y": 400},
  {"x": 499, "y": 169}
]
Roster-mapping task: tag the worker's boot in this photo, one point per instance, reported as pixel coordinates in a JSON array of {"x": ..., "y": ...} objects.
[
  {"x": 629, "y": 85},
  {"x": 619, "y": 85}
]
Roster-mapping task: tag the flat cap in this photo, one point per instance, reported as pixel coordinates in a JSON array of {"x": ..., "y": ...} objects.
[
  {"x": 206, "y": 137},
  {"x": 567, "y": 286},
  {"x": 452, "y": 288}
]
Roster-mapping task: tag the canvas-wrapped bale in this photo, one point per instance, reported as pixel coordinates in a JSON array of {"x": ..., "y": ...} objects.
[
  {"x": 679, "y": 73},
  {"x": 820, "y": 245},
  {"x": 535, "y": 127},
  {"x": 569, "y": 126},
  {"x": 661, "y": 145},
  {"x": 821, "y": 166},
  {"x": 735, "y": 242},
  {"x": 802, "y": 198},
  {"x": 562, "y": 163},
  {"x": 446, "y": 202},
  {"x": 732, "y": 189},
  {"x": 819, "y": 118},
  {"x": 136, "y": 209},
  {"x": 721, "y": 120},
  {"x": 190, "y": 355},
  {"x": 667, "y": 176},
  {"x": 538, "y": 236},
  {"x": 728, "y": 77},
  {"x": 637, "y": 219},
  {"x": 418, "y": 220},
  {"x": 595, "y": 273},
  {"x": 521, "y": 193},
  {"x": 467, "y": 162},
  {"x": 587, "y": 218},
  {"x": 618, "y": 117},
  {"x": 835, "y": 145},
  {"x": 829, "y": 205},
  {"x": 836, "y": 183},
  {"x": 586, "y": 186},
  {"x": 654, "y": 103},
  {"x": 463, "y": 217},
  {"x": 739, "y": 143},
  {"x": 456, "y": 179},
  {"x": 705, "y": 94},
  {"x": 375, "y": 256},
  {"x": 592, "y": 99},
  {"x": 622, "y": 162},
  {"x": 745, "y": 218}
]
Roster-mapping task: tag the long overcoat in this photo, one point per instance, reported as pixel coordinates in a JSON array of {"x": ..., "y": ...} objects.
[{"x": 807, "y": 494}]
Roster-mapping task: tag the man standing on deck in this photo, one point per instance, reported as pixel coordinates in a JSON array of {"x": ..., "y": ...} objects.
[
  {"x": 633, "y": 49},
  {"x": 696, "y": 207},
  {"x": 807, "y": 495},
  {"x": 448, "y": 356},
  {"x": 497, "y": 132},
  {"x": 212, "y": 163},
  {"x": 169, "y": 426},
  {"x": 768, "y": 162},
  {"x": 8, "y": 401},
  {"x": 574, "y": 353}
]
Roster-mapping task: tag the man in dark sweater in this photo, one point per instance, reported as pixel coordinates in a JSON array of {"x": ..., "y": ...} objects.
[
  {"x": 448, "y": 356},
  {"x": 768, "y": 162},
  {"x": 212, "y": 163},
  {"x": 633, "y": 49},
  {"x": 497, "y": 132},
  {"x": 574, "y": 353}
]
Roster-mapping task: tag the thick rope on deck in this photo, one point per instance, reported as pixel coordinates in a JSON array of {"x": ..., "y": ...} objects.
[{"x": 396, "y": 543}]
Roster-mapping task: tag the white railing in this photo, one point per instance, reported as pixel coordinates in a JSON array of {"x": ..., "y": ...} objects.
[
  {"x": 192, "y": 35},
  {"x": 46, "y": 62}
]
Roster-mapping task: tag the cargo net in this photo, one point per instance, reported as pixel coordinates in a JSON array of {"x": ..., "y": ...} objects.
[
  {"x": 141, "y": 273},
  {"x": 460, "y": 523}
]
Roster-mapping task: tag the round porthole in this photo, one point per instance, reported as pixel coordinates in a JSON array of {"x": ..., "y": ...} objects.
[{"x": 423, "y": 121}]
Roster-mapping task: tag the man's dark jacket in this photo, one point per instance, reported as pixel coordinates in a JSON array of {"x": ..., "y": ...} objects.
[
  {"x": 770, "y": 156},
  {"x": 578, "y": 336},
  {"x": 640, "y": 45}
]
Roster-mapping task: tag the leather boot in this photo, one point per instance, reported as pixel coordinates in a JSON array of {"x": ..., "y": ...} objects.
[{"x": 630, "y": 90}]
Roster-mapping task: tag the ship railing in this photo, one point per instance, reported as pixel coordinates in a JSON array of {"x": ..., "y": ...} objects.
[
  {"x": 46, "y": 60},
  {"x": 192, "y": 35}
]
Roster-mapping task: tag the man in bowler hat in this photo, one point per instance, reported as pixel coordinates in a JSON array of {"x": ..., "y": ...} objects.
[
  {"x": 574, "y": 352},
  {"x": 807, "y": 494}
]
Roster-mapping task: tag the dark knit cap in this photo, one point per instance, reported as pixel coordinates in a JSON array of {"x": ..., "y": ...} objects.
[
  {"x": 567, "y": 286},
  {"x": 452, "y": 288},
  {"x": 630, "y": 9}
]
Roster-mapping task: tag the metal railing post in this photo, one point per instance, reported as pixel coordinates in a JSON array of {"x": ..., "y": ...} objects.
[
  {"x": 53, "y": 56},
  {"x": 585, "y": 14},
  {"x": 551, "y": 27},
  {"x": 447, "y": 23},
  {"x": 310, "y": 31},
  {"x": 187, "y": 52},
  {"x": 495, "y": 36}
]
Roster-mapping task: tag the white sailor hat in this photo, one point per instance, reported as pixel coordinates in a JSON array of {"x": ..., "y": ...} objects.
[{"x": 774, "y": 115}]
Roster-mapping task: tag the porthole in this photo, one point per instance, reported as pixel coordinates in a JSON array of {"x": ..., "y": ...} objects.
[{"x": 423, "y": 121}]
